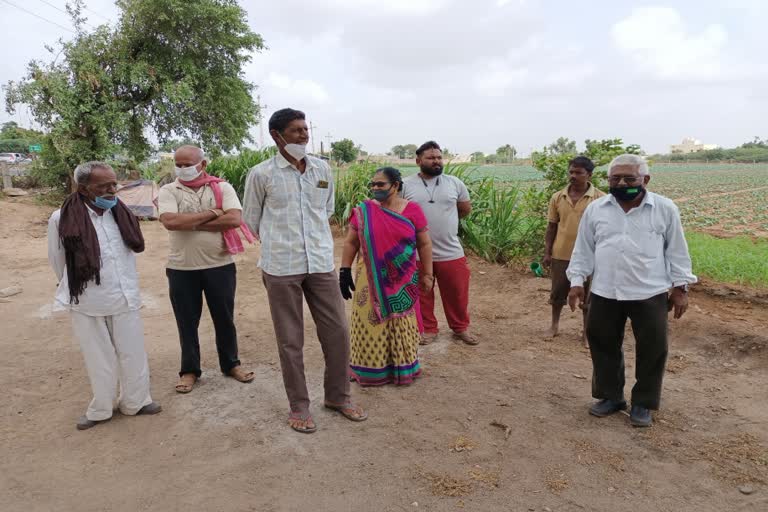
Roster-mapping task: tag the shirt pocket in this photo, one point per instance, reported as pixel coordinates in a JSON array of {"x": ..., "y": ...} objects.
[
  {"x": 318, "y": 197},
  {"x": 650, "y": 242}
]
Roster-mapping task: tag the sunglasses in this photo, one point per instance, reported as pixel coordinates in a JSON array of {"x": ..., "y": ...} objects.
[
  {"x": 378, "y": 184},
  {"x": 629, "y": 180}
]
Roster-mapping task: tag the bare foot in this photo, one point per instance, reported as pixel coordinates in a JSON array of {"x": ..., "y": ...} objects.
[
  {"x": 584, "y": 342},
  {"x": 552, "y": 331}
]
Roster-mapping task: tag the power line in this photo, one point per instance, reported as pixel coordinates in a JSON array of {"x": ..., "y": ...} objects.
[
  {"x": 97, "y": 14},
  {"x": 46, "y": 2},
  {"x": 38, "y": 16}
]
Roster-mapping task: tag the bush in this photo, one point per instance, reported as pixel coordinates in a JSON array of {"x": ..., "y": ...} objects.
[
  {"x": 504, "y": 225},
  {"x": 235, "y": 168},
  {"x": 351, "y": 188}
]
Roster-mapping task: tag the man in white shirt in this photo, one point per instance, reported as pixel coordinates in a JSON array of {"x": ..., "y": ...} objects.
[
  {"x": 91, "y": 246},
  {"x": 444, "y": 200},
  {"x": 288, "y": 201},
  {"x": 632, "y": 243}
]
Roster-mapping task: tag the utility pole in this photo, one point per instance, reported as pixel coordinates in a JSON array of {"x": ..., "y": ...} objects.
[
  {"x": 262, "y": 109},
  {"x": 329, "y": 137},
  {"x": 312, "y": 127}
]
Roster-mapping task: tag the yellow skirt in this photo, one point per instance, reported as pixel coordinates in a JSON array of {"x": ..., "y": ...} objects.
[{"x": 385, "y": 352}]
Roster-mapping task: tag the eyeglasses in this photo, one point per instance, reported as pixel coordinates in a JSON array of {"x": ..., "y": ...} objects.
[
  {"x": 378, "y": 184},
  {"x": 629, "y": 180}
]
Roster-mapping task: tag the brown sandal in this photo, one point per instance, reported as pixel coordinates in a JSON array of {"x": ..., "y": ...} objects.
[
  {"x": 241, "y": 375},
  {"x": 305, "y": 417},
  {"x": 186, "y": 383},
  {"x": 349, "y": 411}
]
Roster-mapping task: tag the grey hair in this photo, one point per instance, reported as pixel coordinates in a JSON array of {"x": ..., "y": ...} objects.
[
  {"x": 629, "y": 159},
  {"x": 84, "y": 170}
]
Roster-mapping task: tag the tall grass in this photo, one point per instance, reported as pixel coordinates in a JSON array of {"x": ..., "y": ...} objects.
[
  {"x": 351, "y": 188},
  {"x": 738, "y": 260},
  {"x": 235, "y": 168},
  {"x": 504, "y": 225}
]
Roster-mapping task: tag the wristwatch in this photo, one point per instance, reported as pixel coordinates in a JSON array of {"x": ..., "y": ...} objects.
[{"x": 683, "y": 288}]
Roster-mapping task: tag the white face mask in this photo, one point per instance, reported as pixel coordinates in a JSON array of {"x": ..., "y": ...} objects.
[
  {"x": 297, "y": 151},
  {"x": 188, "y": 173}
]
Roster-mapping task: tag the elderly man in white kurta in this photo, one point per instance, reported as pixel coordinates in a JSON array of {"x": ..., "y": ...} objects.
[{"x": 92, "y": 243}]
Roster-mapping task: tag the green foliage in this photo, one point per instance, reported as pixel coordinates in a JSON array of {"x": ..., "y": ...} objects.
[
  {"x": 747, "y": 153},
  {"x": 562, "y": 146},
  {"x": 14, "y": 139},
  {"x": 15, "y": 145},
  {"x": 235, "y": 168},
  {"x": 501, "y": 227},
  {"x": 172, "y": 144},
  {"x": 173, "y": 67},
  {"x": 739, "y": 260},
  {"x": 344, "y": 151},
  {"x": 350, "y": 189},
  {"x": 478, "y": 157},
  {"x": 552, "y": 161},
  {"x": 505, "y": 154},
  {"x": 404, "y": 151},
  {"x": 755, "y": 143}
]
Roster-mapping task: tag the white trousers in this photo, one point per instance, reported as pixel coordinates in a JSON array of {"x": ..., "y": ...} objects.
[{"x": 113, "y": 349}]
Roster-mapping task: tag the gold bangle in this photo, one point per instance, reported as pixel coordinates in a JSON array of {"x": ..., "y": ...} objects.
[{"x": 217, "y": 214}]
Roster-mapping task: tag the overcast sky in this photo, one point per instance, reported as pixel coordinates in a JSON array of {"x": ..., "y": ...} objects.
[{"x": 478, "y": 74}]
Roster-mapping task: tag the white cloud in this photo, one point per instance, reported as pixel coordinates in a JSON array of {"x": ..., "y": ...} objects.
[
  {"x": 300, "y": 89},
  {"x": 659, "y": 41}
]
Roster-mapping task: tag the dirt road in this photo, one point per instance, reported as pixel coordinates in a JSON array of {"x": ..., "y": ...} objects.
[{"x": 430, "y": 446}]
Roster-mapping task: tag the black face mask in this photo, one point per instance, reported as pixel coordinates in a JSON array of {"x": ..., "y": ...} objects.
[
  {"x": 626, "y": 193},
  {"x": 431, "y": 171}
]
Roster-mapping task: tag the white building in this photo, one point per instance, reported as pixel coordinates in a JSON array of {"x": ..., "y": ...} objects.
[{"x": 691, "y": 145}]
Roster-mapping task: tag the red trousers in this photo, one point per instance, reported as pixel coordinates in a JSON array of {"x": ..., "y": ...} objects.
[{"x": 452, "y": 278}]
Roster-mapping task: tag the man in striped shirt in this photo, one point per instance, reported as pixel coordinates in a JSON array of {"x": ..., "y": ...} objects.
[{"x": 288, "y": 200}]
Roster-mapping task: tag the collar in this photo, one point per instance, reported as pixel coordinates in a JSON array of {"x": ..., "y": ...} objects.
[
  {"x": 589, "y": 193},
  {"x": 283, "y": 163}
]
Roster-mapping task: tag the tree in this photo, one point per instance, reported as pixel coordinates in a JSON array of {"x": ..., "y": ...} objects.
[
  {"x": 404, "y": 151},
  {"x": 506, "y": 154},
  {"x": 563, "y": 146},
  {"x": 14, "y": 139},
  {"x": 171, "y": 144},
  {"x": 755, "y": 143},
  {"x": 171, "y": 67},
  {"x": 554, "y": 164},
  {"x": 478, "y": 157},
  {"x": 344, "y": 151}
]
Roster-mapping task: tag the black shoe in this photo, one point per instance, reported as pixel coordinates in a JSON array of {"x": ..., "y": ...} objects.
[
  {"x": 640, "y": 416},
  {"x": 605, "y": 408}
]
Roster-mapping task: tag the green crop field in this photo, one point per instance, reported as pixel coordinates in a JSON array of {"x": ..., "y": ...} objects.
[{"x": 716, "y": 198}]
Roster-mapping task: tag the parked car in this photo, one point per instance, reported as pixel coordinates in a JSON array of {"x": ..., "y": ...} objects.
[{"x": 11, "y": 158}]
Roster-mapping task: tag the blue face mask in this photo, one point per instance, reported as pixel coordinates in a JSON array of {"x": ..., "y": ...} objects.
[{"x": 105, "y": 204}]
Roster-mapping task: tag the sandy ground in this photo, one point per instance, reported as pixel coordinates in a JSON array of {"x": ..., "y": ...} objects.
[{"x": 430, "y": 446}]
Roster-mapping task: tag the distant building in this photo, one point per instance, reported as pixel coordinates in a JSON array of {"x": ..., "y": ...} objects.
[{"x": 691, "y": 145}]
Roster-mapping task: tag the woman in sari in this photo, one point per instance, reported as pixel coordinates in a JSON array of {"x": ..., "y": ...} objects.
[{"x": 387, "y": 233}]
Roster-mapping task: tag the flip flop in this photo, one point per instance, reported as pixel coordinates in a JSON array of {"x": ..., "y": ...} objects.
[
  {"x": 344, "y": 410},
  {"x": 303, "y": 417},
  {"x": 184, "y": 386},
  {"x": 241, "y": 375}
]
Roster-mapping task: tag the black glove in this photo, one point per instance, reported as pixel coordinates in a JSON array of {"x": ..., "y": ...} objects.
[{"x": 346, "y": 283}]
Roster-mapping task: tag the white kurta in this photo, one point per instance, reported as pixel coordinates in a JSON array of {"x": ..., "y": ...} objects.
[{"x": 106, "y": 321}]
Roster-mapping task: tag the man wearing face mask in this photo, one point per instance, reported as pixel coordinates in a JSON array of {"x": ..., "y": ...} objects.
[
  {"x": 198, "y": 210},
  {"x": 444, "y": 200},
  {"x": 92, "y": 243},
  {"x": 632, "y": 243},
  {"x": 288, "y": 200}
]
